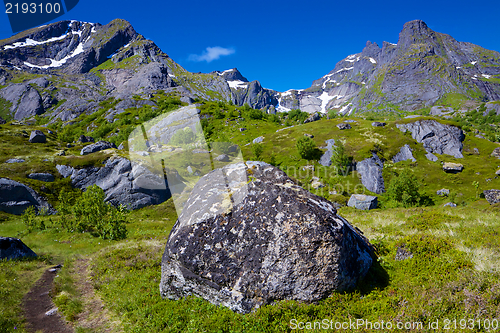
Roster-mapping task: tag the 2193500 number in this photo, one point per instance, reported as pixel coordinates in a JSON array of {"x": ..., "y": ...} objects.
[{"x": 32, "y": 8}]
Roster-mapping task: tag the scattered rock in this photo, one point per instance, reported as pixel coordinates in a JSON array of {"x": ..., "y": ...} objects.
[
  {"x": 316, "y": 183},
  {"x": 14, "y": 248},
  {"x": 242, "y": 129},
  {"x": 16, "y": 197},
  {"x": 476, "y": 151},
  {"x": 497, "y": 172},
  {"x": 258, "y": 140},
  {"x": 450, "y": 204},
  {"x": 403, "y": 254},
  {"x": 452, "y": 167},
  {"x": 98, "y": 146},
  {"x": 123, "y": 182},
  {"x": 370, "y": 170},
  {"x": 51, "y": 312},
  {"x": 344, "y": 126},
  {"x": 405, "y": 153},
  {"x": 15, "y": 160},
  {"x": 190, "y": 169},
  {"x": 50, "y": 132},
  {"x": 313, "y": 117},
  {"x": 69, "y": 145},
  {"x": 309, "y": 135},
  {"x": 496, "y": 152},
  {"x": 121, "y": 147},
  {"x": 326, "y": 158},
  {"x": 479, "y": 136},
  {"x": 492, "y": 196},
  {"x": 361, "y": 201},
  {"x": 224, "y": 250},
  {"x": 44, "y": 177},
  {"x": 85, "y": 139},
  {"x": 436, "y": 137},
  {"x": 431, "y": 157},
  {"x": 222, "y": 158},
  {"x": 37, "y": 136},
  {"x": 441, "y": 111},
  {"x": 378, "y": 124},
  {"x": 308, "y": 167},
  {"x": 443, "y": 192}
]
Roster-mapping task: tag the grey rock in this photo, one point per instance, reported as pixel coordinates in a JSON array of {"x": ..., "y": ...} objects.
[
  {"x": 13, "y": 248},
  {"x": 187, "y": 99},
  {"x": 326, "y": 158},
  {"x": 222, "y": 158},
  {"x": 2, "y": 121},
  {"x": 476, "y": 151},
  {"x": 190, "y": 169},
  {"x": 220, "y": 249},
  {"x": 344, "y": 126},
  {"x": 431, "y": 157},
  {"x": 492, "y": 196},
  {"x": 15, "y": 160},
  {"x": 242, "y": 129},
  {"x": 25, "y": 100},
  {"x": 37, "y": 136},
  {"x": 313, "y": 117},
  {"x": 121, "y": 147},
  {"x": 123, "y": 182},
  {"x": 479, "y": 136},
  {"x": 378, "y": 124},
  {"x": 441, "y": 110},
  {"x": 98, "y": 146},
  {"x": 316, "y": 183},
  {"x": 61, "y": 153},
  {"x": 352, "y": 121},
  {"x": 452, "y": 167},
  {"x": 450, "y": 204},
  {"x": 403, "y": 254},
  {"x": 496, "y": 152},
  {"x": 443, "y": 192},
  {"x": 370, "y": 170},
  {"x": 405, "y": 153},
  {"x": 497, "y": 172},
  {"x": 309, "y": 135},
  {"x": 85, "y": 139},
  {"x": 258, "y": 140},
  {"x": 492, "y": 106},
  {"x": 363, "y": 202},
  {"x": 436, "y": 137},
  {"x": 16, "y": 197},
  {"x": 44, "y": 177}
]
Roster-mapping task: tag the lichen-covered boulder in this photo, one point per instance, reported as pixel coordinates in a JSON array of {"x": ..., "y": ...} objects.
[
  {"x": 13, "y": 248},
  {"x": 248, "y": 236},
  {"x": 492, "y": 196}
]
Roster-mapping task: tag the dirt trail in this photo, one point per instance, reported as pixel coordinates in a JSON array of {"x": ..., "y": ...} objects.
[{"x": 37, "y": 303}]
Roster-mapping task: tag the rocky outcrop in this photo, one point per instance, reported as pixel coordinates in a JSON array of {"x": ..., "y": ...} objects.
[
  {"x": 496, "y": 152},
  {"x": 452, "y": 167},
  {"x": 363, "y": 202},
  {"x": 98, "y": 146},
  {"x": 344, "y": 126},
  {"x": 313, "y": 117},
  {"x": 326, "y": 158},
  {"x": 370, "y": 170},
  {"x": 492, "y": 196},
  {"x": 37, "y": 136},
  {"x": 25, "y": 100},
  {"x": 405, "y": 153},
  {"x": 123, "y": 182},
  {"x": 443, "y": 192},
  {"x": 241, "y": 242},
  {"x": 437, "y": 138},
  {"x": 13, "y": 248},
  {"x": 43, "y": 177},
  {"x": 16, "y": 197}
]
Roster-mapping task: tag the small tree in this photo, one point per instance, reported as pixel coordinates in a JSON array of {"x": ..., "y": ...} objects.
[
  {"x": 257, "y": 150},
  {"x": 306, "y": 147},
  {"x": 340, "y": 160},
  {"x": 404, "y": 189}
]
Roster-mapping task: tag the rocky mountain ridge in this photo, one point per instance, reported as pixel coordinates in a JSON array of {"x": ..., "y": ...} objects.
[{"x": 67, "y": 68}]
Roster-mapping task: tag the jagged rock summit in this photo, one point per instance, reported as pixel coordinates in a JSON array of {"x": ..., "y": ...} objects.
[{"x": 249, "y": 236}]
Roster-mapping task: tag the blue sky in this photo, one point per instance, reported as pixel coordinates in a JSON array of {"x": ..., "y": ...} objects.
[{"x": 283, "y": 44}]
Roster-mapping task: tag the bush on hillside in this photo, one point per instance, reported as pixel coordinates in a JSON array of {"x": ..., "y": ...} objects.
[{"x": 306, "y": 147}]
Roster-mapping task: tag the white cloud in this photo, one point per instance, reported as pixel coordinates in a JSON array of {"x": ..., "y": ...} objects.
[{"x": 211, "y": 53}]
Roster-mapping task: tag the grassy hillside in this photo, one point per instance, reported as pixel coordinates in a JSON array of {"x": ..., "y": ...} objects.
[{"x": 453, "y": 273}]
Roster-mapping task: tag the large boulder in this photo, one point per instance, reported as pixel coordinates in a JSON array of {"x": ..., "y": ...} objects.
[
  {"x": 13, "y": 248},
  {"x": 452, "y": 167},
  {"x": 326, "y": 158},
  {"x": 496, "y": 152},
  {"x": 98, "y": 146},
  {"x": 243, "y": 244},
  {"x": 492, "y": 196},
  {"x": 37, "y": 136},
  {"x": 314, "y": 117},
  {"x": 437, "y": 138},
  {"x": 343, "y": 126},
  {"x": 363, "y": 202},
  {"x": 44, "y": 177},
  {"x": 123, "y": 182},
  {"x": 405, "y": 153},
  {"x": 370, "y": 170},
  {"x": 16, "y": 197}
]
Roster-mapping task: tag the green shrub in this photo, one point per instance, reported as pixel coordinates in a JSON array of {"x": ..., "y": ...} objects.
[
  {"x": 257, "y": 150},
  {"x": 31, "y": 221},
  {"x": 306, "y": 147},
  {"x": 254, "y": 114},
  {"x": 340, "y": 160},
  {"x": 404, "y": 191},
  {"x": 183, "y": 137},
  {"x": 273, "y": 118},
  {"x": 298, "y": 115},
  {"x": 90, "y": 213}
]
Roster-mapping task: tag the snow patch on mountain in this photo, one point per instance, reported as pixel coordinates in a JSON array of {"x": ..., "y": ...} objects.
[{"x": 237, "y": 84}]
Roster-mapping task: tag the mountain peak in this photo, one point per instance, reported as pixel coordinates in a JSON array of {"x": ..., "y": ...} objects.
[{"x": 415, "y": 32}]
